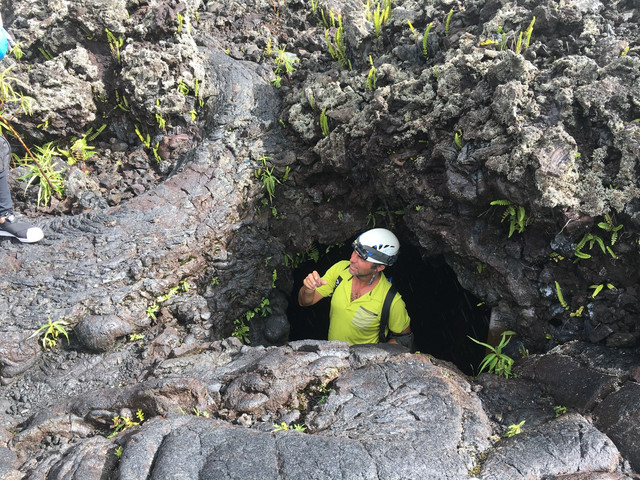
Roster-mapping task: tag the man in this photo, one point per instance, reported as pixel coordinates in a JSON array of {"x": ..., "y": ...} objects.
[
  {"x": 8, "y": 226},
  {"x": 358, "y": 288}
]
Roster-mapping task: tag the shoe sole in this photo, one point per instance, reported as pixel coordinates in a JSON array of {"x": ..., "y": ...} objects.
[{"x": 4, "y": 233}]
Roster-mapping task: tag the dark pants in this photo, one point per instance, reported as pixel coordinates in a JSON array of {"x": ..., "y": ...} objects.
[{"x": 6, "y": 205}]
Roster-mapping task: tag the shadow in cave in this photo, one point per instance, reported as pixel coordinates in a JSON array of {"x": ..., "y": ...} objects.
[{"x": 442, "y": 312}]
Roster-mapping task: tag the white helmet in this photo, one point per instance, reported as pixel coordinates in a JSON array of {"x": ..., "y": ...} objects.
[{"x": 377, "y": 246}]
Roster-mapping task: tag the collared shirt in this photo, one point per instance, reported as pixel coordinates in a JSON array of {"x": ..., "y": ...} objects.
[{"x": 358, "y": 321}]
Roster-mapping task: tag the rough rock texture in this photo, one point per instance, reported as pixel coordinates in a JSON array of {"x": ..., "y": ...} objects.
[
  {"x": 213, "y": 173},
  {"x": 313, "y": 408}
]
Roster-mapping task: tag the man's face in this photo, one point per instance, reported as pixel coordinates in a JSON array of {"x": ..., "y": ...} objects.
[{"x": 360, "y": 267}]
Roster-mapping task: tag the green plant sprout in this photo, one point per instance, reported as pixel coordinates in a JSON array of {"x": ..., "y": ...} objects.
[
  {"x": 312, "y": 254},
  {"x": 91, "y": 135},
  {"x": 146, "y": 141},
  {"x": 122, "y": 103},
  {"x": 134, "y": 337},
  {"x": 123, "y": 423},
  {"x": 425, "y": 37},
  {"x": 162, "y": 123},
  {"x": 183, "y": 88},
  {"x": 559, "y": 410},
  {"x": 527, "y": 37},
  {"x": 578, "y": 312},
  {"x": 381, "y": 15},
  {"x": 556, "y": 257},
  {"x": 590, "y": 240},
  {"x": 516, "y": 215},
  {"x": 183, "y": 286},
  {"x": 79, "y": 151},
  {"x": 514, "y": 429},
  {"x": 285, "y": 62},
  {"x": 269, "y": 180},
  {"x": 561, "y": 299},
  {"x": 51, "y": 332},
  {"x": 181, "y": 22},
  {"x": 518, "y": 46},
  {"x": 115, "y": 44},
  {"x": 624, "y": 51},
  {"x": 152, "y": 310},
  {"x": 17, "y": 51},
  {"x": 284, "y": 427},
  {"x": 241, "y": 331},
  {"x": 383, "y": 211},
  {"x": 413, "y": 30},
  {"x": 371, "y": 77},
  {"x": 324, "y": 123},
  {"x": 196, "y": 92},
  {"x": 199, "y": 413},
  {"x": 528, "y": 32},
  {"x": 598, "y": 288},
  {"x": 565, "y": 305},
  {"x": 503, "y": 42},
  {"x": 609, "y": 226},
  {"x": 457, "y": 139},
  {"x": 41, "y": 167},
  {"x": 447, "y": 21},
  {"x": 497, "y": 362},
  {"x": 118, "y": 451},
  {"x": 337, "y": 48},
  {"x": 46, "y": 54}
]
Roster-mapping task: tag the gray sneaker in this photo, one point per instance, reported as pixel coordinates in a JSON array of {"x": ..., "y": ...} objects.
[{"x": 22, "y": 231}]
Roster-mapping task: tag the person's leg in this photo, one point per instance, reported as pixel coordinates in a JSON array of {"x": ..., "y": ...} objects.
[
  {"x": 8, "y": 226},
  {"x": 6, "y": 204}
]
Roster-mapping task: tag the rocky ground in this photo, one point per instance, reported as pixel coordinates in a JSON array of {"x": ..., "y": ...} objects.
[{"x": 233, "y": 142}]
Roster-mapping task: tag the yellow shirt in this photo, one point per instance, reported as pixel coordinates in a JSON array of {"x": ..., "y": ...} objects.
[{"x": 359, "y": 321}]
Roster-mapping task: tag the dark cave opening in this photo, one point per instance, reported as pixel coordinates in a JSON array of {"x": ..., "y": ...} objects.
[{"x": 442, "y": 313}]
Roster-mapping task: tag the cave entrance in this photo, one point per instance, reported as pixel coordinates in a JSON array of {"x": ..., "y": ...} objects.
[{"x": 442, "y": 312}]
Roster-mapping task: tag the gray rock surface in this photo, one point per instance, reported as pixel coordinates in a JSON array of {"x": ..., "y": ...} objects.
[
  {"x": 213, "y": 174},
  {"x": 564, "y": 445}
]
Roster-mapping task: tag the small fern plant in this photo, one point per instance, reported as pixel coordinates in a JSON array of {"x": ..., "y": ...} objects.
[
  {"x": 51, "y": 331},
  {"x": 609, "y": 226},
  {"x": 495, "y": 361},
  {"x": 515, "y": 214}
]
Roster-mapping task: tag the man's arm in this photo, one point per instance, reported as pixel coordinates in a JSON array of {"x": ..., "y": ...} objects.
[
  {"x": 393, "y": 335},
  {"x": 308, "y": 295},
  {"x": 398, "y": 319}
]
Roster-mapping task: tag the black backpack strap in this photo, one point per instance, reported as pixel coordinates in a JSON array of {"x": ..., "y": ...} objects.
[
  {"x": 339, "y": 279},
  {"x": 384, "y": 316}
]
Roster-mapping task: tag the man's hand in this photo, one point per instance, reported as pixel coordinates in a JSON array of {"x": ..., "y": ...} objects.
[
  {"x": 308, "y": 295},
  {"x": 313, "y": 281}
]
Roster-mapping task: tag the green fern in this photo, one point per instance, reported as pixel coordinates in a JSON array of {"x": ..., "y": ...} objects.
[
  {"x": 446, "y": 23},
  {"x": 561, "y": 299},
  {"x": 516, "y": 215},
  {"x": 324, "y": 123},
  {"x": 424, "y": 40},
  {"x": 371, "y": 77}
]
